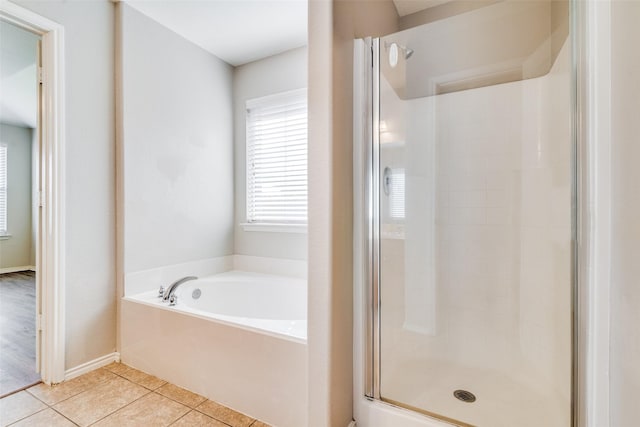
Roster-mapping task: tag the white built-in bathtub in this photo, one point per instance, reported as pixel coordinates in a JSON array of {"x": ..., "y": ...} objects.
[{"x": 241, "y": 342}]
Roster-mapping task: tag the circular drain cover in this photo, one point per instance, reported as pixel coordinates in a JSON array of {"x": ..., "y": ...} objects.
[
  {"x": 464, "y": 395},
  {"x": 196, "y": 293}
]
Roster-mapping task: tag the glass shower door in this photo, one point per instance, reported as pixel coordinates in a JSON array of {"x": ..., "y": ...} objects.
[{"x": 474, "y": 212}]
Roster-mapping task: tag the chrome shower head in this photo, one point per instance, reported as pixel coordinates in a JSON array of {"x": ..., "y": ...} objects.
[
  {"x": 393, "y": 49},
  {"x": 407, "y": 52}
]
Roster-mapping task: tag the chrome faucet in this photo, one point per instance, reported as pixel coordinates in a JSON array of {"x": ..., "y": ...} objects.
[{"x": 169, "y": 294}]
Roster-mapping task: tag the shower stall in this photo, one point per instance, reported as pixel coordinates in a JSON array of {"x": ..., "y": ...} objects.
[{"x": 465, "y": 180}]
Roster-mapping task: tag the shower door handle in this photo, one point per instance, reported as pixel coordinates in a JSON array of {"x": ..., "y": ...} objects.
[{"x": 386, "y": 181}]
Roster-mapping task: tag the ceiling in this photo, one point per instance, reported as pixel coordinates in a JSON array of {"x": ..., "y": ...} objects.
[
  {"x": 18, "y": 84},
  {"x": 236, "y": 31},
  {"x": 407, "y": 7}
]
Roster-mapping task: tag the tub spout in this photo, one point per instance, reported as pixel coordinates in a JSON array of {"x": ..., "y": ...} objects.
[{"x": 171, "y": 290}]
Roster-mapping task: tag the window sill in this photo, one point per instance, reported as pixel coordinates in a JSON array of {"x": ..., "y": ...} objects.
[
  {"x": 392, "y": 231},
  {"x": 275, "y": 228},
  {"x": 6, "y": 236}
]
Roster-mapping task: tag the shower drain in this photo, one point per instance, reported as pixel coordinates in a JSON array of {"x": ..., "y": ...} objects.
[{"x": 465, "y": 396}]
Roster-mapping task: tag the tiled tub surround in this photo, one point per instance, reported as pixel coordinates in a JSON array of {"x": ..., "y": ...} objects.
[
  {"x": 247, "y": 350},
  {"x": 116, "y": 395}
]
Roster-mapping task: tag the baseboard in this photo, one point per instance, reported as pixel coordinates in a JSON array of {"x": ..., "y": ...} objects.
[
  {"x": 91, "y": 365},
  {"x": 17, "y": 269}
]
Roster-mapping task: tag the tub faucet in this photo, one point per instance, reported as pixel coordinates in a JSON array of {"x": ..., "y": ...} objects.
[{"x": 169, "y": 293}]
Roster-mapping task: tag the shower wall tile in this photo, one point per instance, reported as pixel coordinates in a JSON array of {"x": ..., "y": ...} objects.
[
  {"x": 468, "y": 180},
  {"x": 468, "y": 199},
  {"x": 467, "y": 216},
  {"x": 499, "y": 179},
  {"x": 499, "y": 216},
  {"x": 498, "y": 198},
  {"x": 536, "y": 197}
]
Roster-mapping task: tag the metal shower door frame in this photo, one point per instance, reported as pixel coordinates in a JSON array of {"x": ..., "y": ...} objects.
[{"x": 371, "y": 223}]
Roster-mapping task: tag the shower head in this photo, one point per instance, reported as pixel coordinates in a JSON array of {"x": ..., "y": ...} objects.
[
  {"x": 407, "y": 52},
  {"x": 393, "y": 49}
]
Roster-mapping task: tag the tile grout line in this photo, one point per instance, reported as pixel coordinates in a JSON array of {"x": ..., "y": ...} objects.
[
  {"x": 36, "y": 397},
  {"x": 176, "y": 401},
  {"x": 42, "y": 410},
  {"x": 211, "y": 416},
  {"x": 122, "y": 407},
  {"x": 145, "y": 395},
  {"x": 53, "y": 404},
  {"x": 96, "y": 385},
  {"x": 73, "y": 395},
  {"x": 195, "y": 408},
  {"x": 64, "y": 416},
  {"x": 18, "y": 390},
  {"x": 179, "y": 418},
  {"x": 149, "y": 391},
  {"x": 122, "y": 376},
  {"x": 25, "y": 417},
  {"x": 102, "y": 382},
  {"x": 190, "y": 408}
]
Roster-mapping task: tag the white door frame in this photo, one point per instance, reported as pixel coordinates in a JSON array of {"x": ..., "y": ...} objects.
[{"x": 50, "y": 252}]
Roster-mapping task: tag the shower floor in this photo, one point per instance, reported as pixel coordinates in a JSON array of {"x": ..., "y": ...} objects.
[{"x": 501, "y": 401}]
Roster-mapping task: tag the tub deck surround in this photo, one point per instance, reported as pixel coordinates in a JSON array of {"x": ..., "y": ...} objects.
[
  {"x": 117, "y": 395},
  {"x": 270, "y": 304},
  {"x": 241, "y": 342},
  {"x": 137, "y": 282},
  {"x": 147, "y": 280}
]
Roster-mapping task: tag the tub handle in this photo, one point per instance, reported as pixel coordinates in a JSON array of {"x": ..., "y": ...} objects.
[
  {"x": 161, "y": 292},
  {"x": 173, "y": 300}
]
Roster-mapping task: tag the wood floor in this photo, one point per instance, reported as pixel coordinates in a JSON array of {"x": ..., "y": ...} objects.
[{"x": 17, "y": 331}]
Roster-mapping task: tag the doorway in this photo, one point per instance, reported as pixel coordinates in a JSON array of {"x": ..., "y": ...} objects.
[
  {"x": 19, "y": 211},
  {"x": 49, "y": 197}
]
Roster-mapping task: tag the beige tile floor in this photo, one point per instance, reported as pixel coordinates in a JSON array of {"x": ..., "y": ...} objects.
[{"x": 116, "y": 395}]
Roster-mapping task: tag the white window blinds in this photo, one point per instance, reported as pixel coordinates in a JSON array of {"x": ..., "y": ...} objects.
[
  {"x": 277, "y": 158},
  {"x": 3, "y": 189}
]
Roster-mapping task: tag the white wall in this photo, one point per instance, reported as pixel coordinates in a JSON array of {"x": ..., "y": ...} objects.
[
  {"x": 18, "y": 53},
  {"x": 16, "y": 250},
  {"x": 625, "y": 214},
  {"x": 278, "y": 73},
  {"x": 177, "y": 148},
  {"x": 90, "y": 177}
]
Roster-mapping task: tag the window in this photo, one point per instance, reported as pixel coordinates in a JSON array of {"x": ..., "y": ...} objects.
[
  {"x": 3, "y": 190},
  {"x": 277, "y": 159},
  {"x": 396, "y": 197}
]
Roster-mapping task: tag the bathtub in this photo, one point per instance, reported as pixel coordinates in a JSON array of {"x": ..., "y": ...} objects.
[{"x": 238, "y": 338}]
